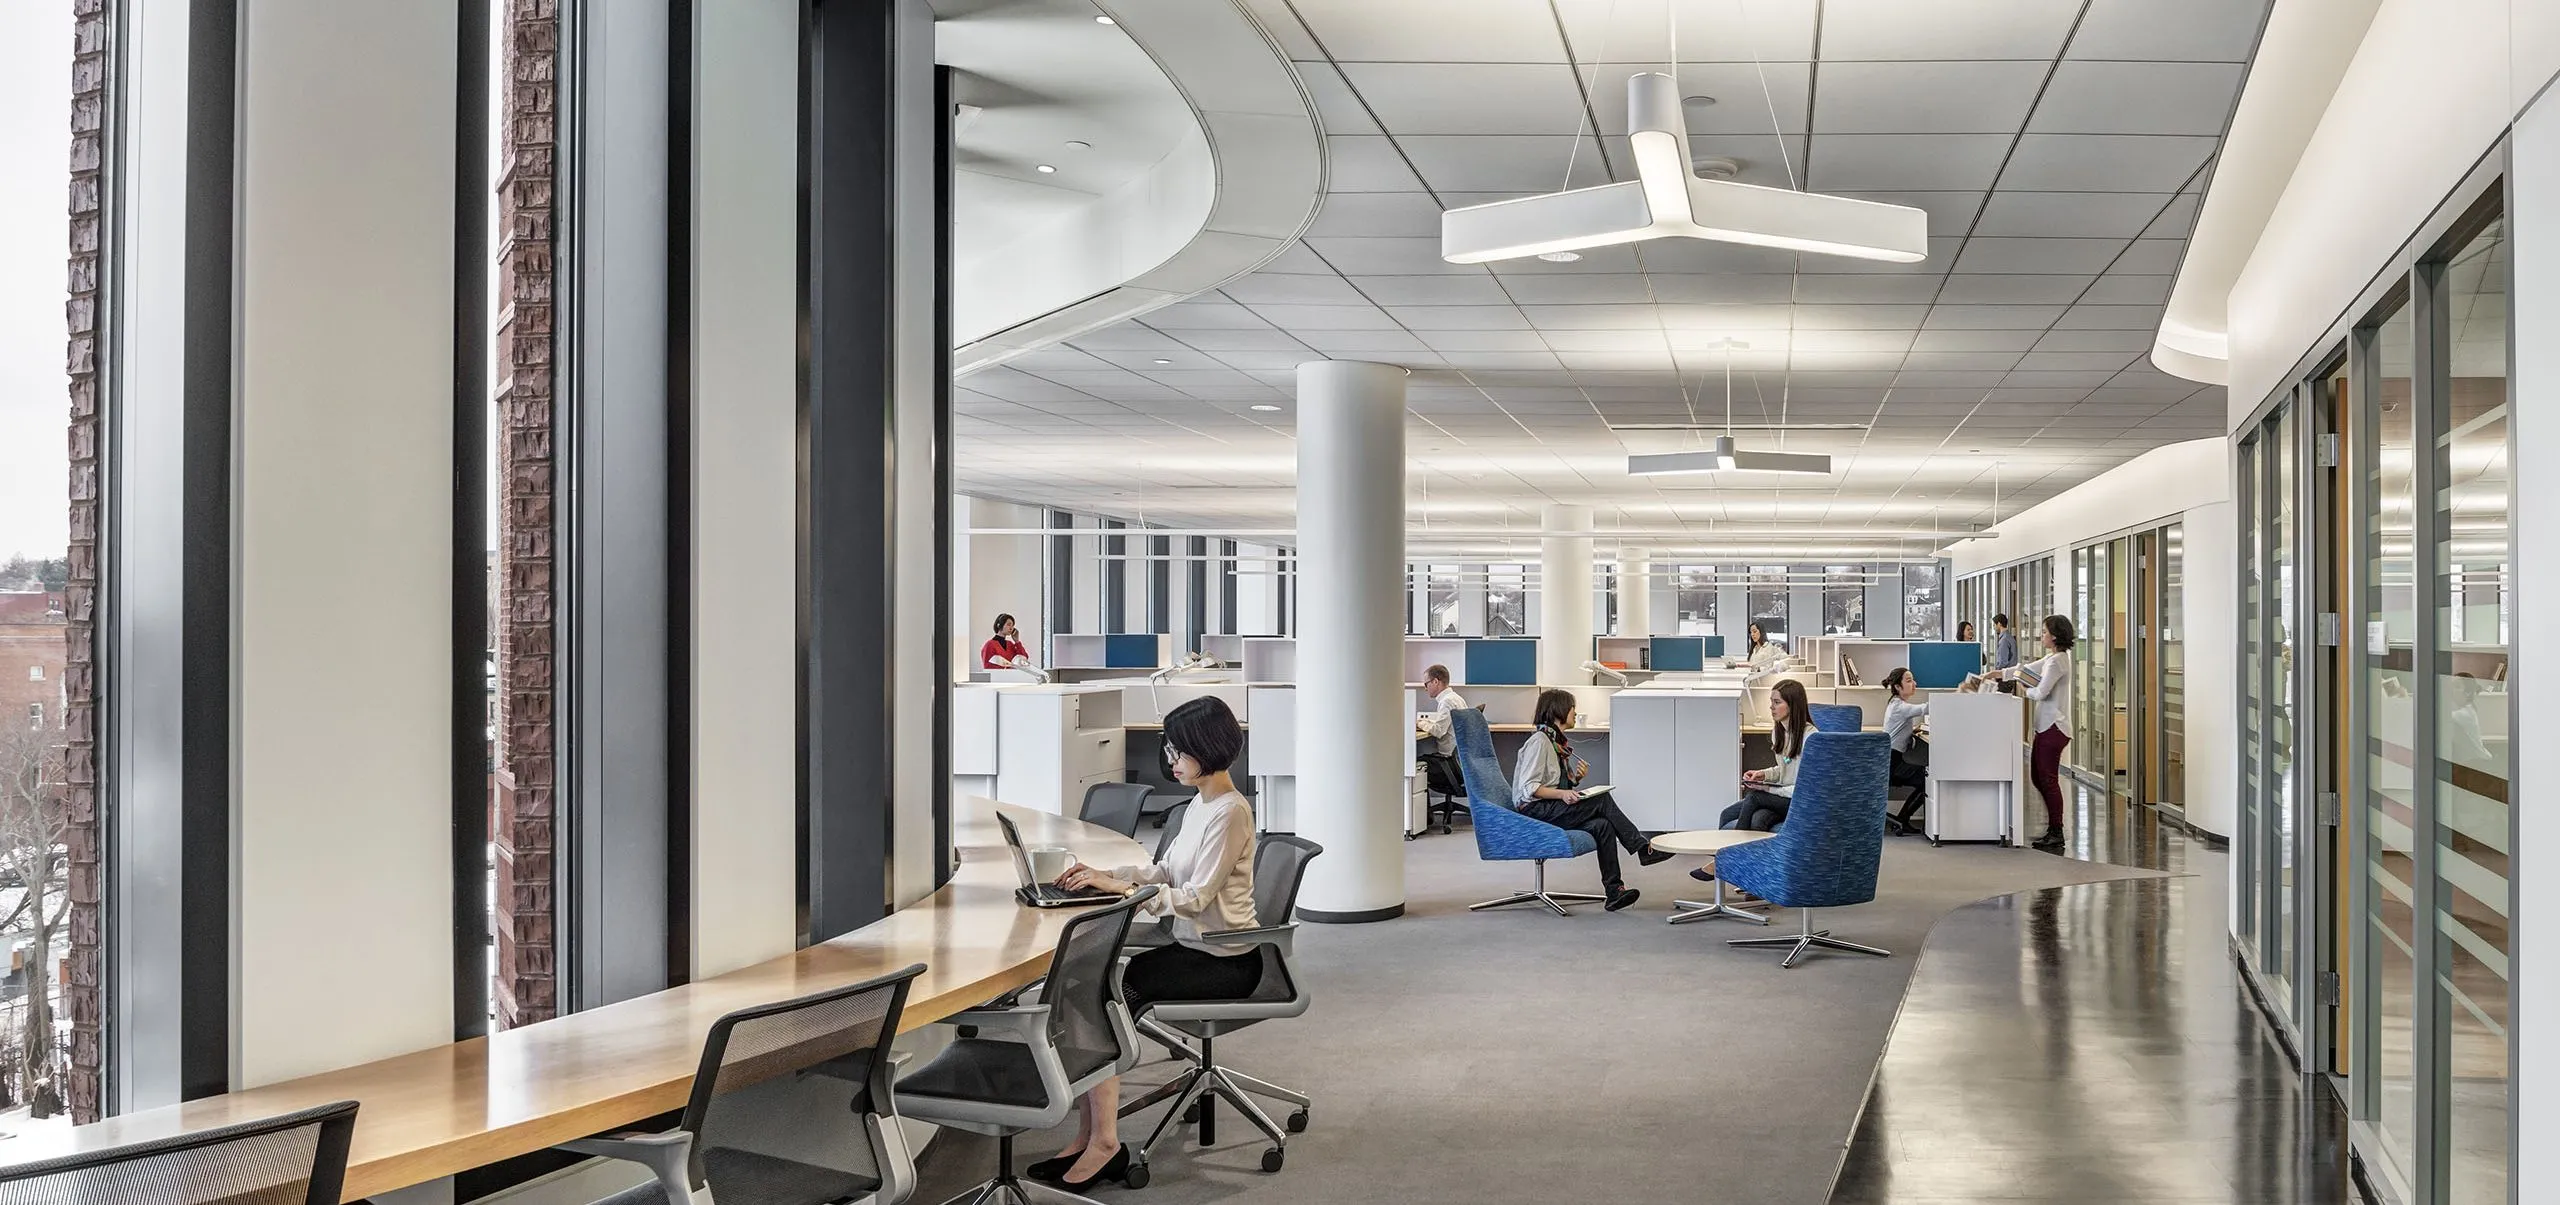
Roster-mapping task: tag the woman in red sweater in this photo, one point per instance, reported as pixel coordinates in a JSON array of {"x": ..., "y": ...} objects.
[{"x": 1001, "y": 648}]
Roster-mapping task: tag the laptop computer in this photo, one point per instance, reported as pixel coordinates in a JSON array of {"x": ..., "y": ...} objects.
[{"x": 1045, "y": 895}]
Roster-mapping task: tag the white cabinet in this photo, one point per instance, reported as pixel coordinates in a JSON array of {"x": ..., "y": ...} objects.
[
  {"x": 1675, "y": 756},
  {"x": 1975, "y": 767},
  {"x": 1054, "y": 741},
  {"x": 974, "y": 750}
]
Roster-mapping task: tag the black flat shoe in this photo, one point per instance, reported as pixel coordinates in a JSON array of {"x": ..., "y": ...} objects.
[
  {"x": 1116, "y": 1171},
  {"x": 2052, "y": 839},
  {"x": 1703, "y": 875},
  {"x": 1051, "y": 1169},
  {"x": 1620, "y": 899},
  {"x": 1652, "y": 856}
]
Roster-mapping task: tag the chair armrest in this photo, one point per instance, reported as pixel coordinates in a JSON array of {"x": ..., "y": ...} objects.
[
  {"x": 1021, "y": 1023},
  {"x": 1283, "y": 936},
  {"x": 669, "y": 1156}
]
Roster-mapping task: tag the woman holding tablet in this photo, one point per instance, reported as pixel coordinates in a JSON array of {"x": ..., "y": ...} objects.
[{"x": 1546, "y": 784}]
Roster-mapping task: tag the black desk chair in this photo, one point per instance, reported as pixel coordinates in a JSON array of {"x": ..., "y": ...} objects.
[
  {"x": 1116, "y": 806},
  {"x": 298, "y": 1157},
  {"x": 1444, "y": 790},
  {"x": 833, "y": 1047}
]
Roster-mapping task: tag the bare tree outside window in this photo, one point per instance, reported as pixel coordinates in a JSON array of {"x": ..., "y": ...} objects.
[
  {"x": 1844, "y": 600},
  {"x": 34, "y": 902},
  {"x": 1506, "y": 601},
  {"x": 1924, "y": 606},
  {"x": 1695, "y": 586},
  {"x": 1440, "y": 600}
]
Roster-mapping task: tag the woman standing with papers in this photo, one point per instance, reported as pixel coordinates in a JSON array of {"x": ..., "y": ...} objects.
[{"x": 2047, "y": 681}]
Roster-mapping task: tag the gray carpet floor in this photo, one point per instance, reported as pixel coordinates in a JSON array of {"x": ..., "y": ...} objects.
[{"x": 1518, "y": 1056}]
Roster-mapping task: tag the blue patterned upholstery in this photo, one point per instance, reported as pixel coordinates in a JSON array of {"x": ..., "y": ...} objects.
[
  {"x": 1826, "y": 855},
  {"x": 1503, "y": 835},
  {"x": 1836, "y": 717}
]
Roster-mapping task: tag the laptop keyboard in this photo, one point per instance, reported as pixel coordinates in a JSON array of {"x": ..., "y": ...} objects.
[{"x": 1051, "y": 891}]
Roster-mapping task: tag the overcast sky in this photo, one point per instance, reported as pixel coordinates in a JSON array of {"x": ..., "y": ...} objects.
[{"x": 35, "y": 141}]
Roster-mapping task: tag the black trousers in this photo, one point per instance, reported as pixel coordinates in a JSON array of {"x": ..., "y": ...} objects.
[
  {"x": 1915, "y": 777},
  {"x": 1759, "y": 811},
  {"x": 1178, "y": 972},
  {"x": 1598, "y": 817}
]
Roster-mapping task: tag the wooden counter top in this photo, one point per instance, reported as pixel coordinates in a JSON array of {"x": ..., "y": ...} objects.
[{"x": 450, "y": 1108}]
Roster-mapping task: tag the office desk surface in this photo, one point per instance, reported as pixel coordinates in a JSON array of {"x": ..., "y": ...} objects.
[{"x": 446, "y": 1109}]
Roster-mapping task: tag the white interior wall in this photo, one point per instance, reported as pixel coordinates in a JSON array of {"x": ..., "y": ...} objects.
[
  {"x": 2430, "y": 90},
  {"x": 2535, "y": 319},
  {"x": 993, "y": 575},
  {"x": 745, "y": 495},
  {"x": 343, "y": 538},
  {"x": 2211, "y": 602},
  {"x": 915, "y": 603}
]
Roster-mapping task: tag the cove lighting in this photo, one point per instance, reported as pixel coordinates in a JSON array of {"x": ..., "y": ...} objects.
[{"x": 1667, "y": 199}]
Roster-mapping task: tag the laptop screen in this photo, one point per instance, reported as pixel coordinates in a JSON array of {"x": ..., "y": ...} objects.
[{"x": 1013, "y": 842}]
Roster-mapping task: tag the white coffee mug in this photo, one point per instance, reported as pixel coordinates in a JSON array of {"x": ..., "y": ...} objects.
[{"x": 1050, "y": 861}]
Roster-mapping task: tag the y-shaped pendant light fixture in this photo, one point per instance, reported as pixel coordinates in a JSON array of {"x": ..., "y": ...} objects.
[{"x": 1668, "y": 199}]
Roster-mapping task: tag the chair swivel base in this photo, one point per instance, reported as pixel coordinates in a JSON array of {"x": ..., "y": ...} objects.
[
  {"x": 1805, "y": 938},
  {"x": 1200, "y": 1086},
  {"x": 1007, "y": 1188},
  {"x": 1537, "y": 893},
  {"x": 1685, "y": 911}
]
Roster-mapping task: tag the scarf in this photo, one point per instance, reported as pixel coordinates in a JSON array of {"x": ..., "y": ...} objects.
[{"x": 1565, "y": 772}]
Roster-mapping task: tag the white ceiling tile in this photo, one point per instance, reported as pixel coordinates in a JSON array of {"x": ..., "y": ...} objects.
[
  {"x": 2151, "y": 257},
  {"x": 1832, "y": 361},
  {"x": 2057, "y": 380},
  {"x": 1949, "y": 212},
  {"x": 1390, "y": 256},
  {"x": 1734, "y": 31},
  {"x": 2117, "y": 215},
  {"x": 1968, "y": 340},
  {"x": 1693, "y": 287},
  {"x": 1943, "y": 29},
  {"x": 1378, "y": 215},
  {"x": 1336, "y": 107},
  {"x": 1713, "y": 320},
  {"x": 1942, "y": 252},
  {"x": 1367, "y": 164},
  {"x": 2222, "y": 31},
  {"x": 1740, "y": 105},
  {"x": 1266, "y": 361},
  {"x": 1292, "y": 290},
  {"x": 1594, "y": 259},
  {"x": 1459, "y": 317},
  {"x": 2074, "y": 361},
  {"x": 2087, "y": 97},
  {"x": 1475, "y": 341},
  {"x": 1476, "y": 289},
  {"x": 1961, "y": 361},
  {"x": 1122, "y": 338},
  {"x": 1925, "y": 97},
  {"x": 1865, "y": 290},
  {"x": 2130, "y": 290},
  {"x": 1869, "y": 341},
  {"x": 1562, "y": 341},
  {"x": 1301, "y": 318},
  {"x": 1677, "y": 255},
  {"x": 1859, "y": 317},
  {"x": 1505, "y": 163},
  {"x": 2105, "y": 162},
  {"x": 1991, "y": 317},
  {"x": 2112, "y": 318},
  {"x": 1590, "y": 288},
  {"x": 2178, "y": 220},
  {"x": 1979, "y": 382},
  {"x": 1227, "y": 340},
  {"x": 1907, "y": 162},
  {"x": 1470, "y": 98},
  {"x": 1296, "y": 259},
  {"x": 2038, "y": 256},
  {"x": 1447, "y": 31},
  {"x": 1593, "y": 317},
  {"x": 1974, "y": 289},
  {"x": 2123, "y": 341}
]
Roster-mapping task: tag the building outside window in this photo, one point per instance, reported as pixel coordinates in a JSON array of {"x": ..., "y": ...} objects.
[
  {"x": 1694, "y": 587},
  {"x": 1506, "y": 601},
  {"x": 1924, "y": 609},
  {"x": 1440, "y": 600},
  {"x": 1844, "y": 600},
  {"x": 1768, "y": 600}
]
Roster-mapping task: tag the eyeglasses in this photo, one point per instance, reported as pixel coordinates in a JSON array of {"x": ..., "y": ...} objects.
[{"x": 1171, "y": 754}]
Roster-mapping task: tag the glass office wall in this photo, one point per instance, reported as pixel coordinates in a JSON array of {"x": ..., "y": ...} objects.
[
  {"x": 2168, "y": 724},
  {"x": 2388, "y": 969}
]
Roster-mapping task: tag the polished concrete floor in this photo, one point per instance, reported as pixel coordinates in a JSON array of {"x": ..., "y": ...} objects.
[{"x": 2093, "y": 1044}]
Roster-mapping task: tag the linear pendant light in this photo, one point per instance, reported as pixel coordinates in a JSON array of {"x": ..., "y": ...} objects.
[
  {"x": 1724, "y": 456},
  {"x": 1668, "y": 199}
]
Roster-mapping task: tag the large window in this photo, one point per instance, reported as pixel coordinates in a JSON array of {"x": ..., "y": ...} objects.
[
  {"x": 1767, "y": 596},
  {"x": 1440, "y": 600},
  {"x": 50, "y": 830},
  {"x": 1506, "y": 601},
  {"x": 1694, "y": 591},
  {"x": 1924, "y": 608},
  {"x": 1844, "y": 600}
]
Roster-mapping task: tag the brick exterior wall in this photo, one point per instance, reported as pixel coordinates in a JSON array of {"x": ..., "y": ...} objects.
[
  {"x": 83, "y": 1000},
  {"x": 522, "y": 782}
]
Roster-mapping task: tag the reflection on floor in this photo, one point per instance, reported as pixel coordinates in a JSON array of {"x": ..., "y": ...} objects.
[{"x": 2093, "y": 1043}]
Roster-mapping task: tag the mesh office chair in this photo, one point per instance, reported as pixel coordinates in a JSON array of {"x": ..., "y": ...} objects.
[
  {"x": 1116, "y": 806},
  {"x": 822, "y": 1062},
  {"x": 1025, "y": 1064},
  {"x": 296, "y": 1159},
  {"x": 1279, "y": 866}
]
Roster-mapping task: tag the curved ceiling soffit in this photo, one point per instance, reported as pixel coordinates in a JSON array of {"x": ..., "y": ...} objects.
[
  {"x": 2302, "y": 55},
  {"x": 1264, "y": 146}
]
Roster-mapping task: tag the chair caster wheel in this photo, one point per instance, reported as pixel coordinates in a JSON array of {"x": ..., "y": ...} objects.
[
  {"x": 1298, "y": 1122},
  {"x": 1138, "y": 1175},
  {"x": 1271, "y": 1160},
  {"x": 1191, "y": 1116}
]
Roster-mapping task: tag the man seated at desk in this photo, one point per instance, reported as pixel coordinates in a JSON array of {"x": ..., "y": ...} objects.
[
  {"x": 1545, "y": 785},
  {"x": 1440, "y": 765}
]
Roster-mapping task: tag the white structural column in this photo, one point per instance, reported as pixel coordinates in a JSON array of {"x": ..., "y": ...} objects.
[
  {"x": 1564, "y": 597},
  {"x": 1635, "y": 592},
  {"x": 1350, "y": 637}
]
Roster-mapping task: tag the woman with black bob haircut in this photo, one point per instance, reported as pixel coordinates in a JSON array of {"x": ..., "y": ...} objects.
[
  {"x": 1546, "y": 785},
  {"x": 1207, "y": 878}
]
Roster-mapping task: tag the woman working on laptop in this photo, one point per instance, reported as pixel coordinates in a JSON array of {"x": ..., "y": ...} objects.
[
  {"x": 1546, "y": 785},
  {"x": 1207, "y": 876}
]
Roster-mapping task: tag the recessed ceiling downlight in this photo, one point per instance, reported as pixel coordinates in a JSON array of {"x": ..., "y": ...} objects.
[
  {"x": 1164, "y": 361},
  {"x": 1045, "y": 169},
  {"x": 1265, "y": 407},
  {"x": 1561, "y": 257},
  {"x": 1104, "y": 21}
]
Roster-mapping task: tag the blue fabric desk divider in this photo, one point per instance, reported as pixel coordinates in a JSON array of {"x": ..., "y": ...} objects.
[
  {"x": 1675, "y": 653},
  {"x": 1129, "y": 652},
  {"x": 1713, "y": 646},
  {"x": 1502, "y": 663},
  {"x": 1942, "y": 664}
]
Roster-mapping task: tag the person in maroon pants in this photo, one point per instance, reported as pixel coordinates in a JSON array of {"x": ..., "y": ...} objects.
[{"x": 2046, "y": 682}]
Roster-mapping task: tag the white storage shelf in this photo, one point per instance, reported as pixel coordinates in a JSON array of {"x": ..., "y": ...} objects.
[{"x": 1055, "y": 741}]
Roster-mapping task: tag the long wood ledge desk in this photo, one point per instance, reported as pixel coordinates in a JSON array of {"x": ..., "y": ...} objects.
[{"x": 447, "y": 1109}]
